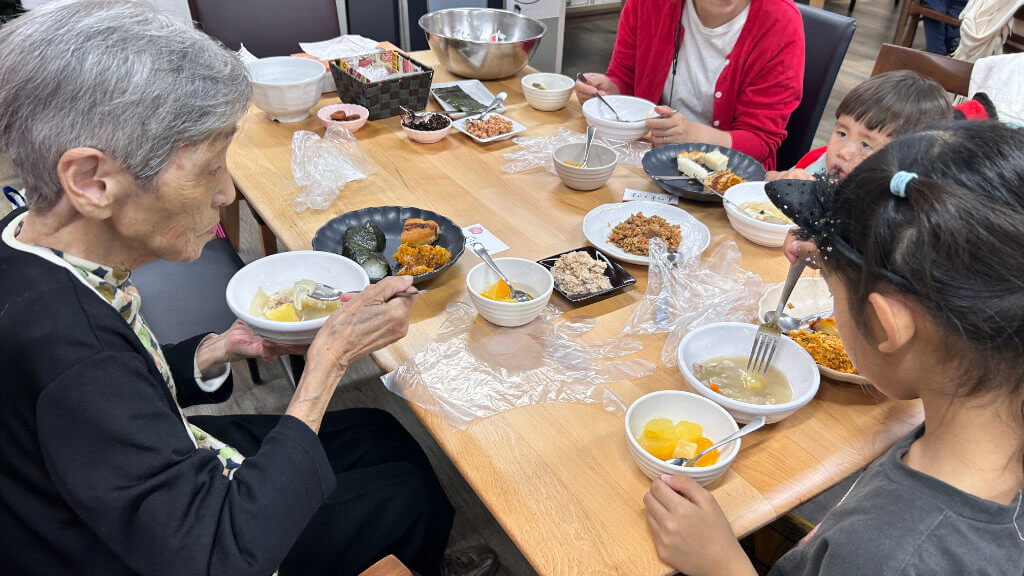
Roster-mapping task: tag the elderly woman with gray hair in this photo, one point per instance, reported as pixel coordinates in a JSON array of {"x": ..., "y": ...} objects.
[{"x": 118, "y": 119}]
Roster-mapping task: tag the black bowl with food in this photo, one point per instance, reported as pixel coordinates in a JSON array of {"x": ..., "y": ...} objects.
[{"x": 394, "y": 240}]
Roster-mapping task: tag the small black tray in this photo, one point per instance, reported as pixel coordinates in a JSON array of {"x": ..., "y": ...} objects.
[{"x": 616, "y": 274}]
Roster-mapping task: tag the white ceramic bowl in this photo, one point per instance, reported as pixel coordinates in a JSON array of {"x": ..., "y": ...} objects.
[
  {"x": 598, "y": 170},
  {"x": 282, "y": 270},
  {"x": 634, "y": 110},
  {"x": 351, "y": 125},
  {"x": 526, "y": 275},
  {"x": 677, "y": 405},
  {"x": 736, "y": 339},
  {"x": 427, "y": 137},
  {"x": 556, "y": 92},
  {"x": 758, "y": 232},
  {"x": 286, "y": 87}
]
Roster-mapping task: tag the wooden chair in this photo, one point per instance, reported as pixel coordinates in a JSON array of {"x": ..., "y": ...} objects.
[
  {"x": 911, "y": 14},
  {"x": 953, "y": 75}
]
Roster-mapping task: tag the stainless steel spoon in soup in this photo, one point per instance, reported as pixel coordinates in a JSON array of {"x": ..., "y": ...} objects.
[
  {"x": 327, "y": 293},
  {"x": 754, "y": 424},
  {"x": 517, "y": 295}
]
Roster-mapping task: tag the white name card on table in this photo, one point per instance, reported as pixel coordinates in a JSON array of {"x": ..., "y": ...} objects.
[
  {"x": 477, "y": 233},
  {"x": 631, "y": 194}
]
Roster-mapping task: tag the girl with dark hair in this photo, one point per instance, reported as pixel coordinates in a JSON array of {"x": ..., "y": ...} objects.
[{"x": 922, "y": 249}]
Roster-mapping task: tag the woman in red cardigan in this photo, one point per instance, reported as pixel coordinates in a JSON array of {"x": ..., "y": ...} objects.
[{"x": 732, "y": 69}]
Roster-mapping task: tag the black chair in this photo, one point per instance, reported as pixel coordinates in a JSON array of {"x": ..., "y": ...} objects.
[
  {"x": 267, "y": 27},
  {"x": 826, "y": 37},
  {"x": 182, "y": 299}
]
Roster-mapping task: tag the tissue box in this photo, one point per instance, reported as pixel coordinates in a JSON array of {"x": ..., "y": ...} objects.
[{"x": 382, "y": 81}]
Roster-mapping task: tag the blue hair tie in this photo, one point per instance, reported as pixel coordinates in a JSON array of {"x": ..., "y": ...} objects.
[{"x": 898, "y": 183}]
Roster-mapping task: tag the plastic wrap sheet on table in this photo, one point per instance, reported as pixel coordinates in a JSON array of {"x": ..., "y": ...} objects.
[
  {"x": 473, "y": 369},
  {"x": 322, "y": 167},
  {"x": 535, "y": 151},
  {"x": 691, "y": 294}
]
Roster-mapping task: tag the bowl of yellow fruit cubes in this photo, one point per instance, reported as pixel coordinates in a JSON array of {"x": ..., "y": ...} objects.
[
  {"x": 675, "y": 424},
  {"x": 271, "y": 294}
]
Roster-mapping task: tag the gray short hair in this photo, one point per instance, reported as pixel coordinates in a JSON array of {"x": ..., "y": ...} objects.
[{"x": 115, "y": 75}]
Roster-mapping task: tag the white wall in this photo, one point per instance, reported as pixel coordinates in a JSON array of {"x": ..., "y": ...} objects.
[{"x": 177, "y": 7}]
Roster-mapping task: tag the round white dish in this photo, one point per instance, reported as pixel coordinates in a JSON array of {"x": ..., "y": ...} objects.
[
  {"x": 735, "y": 339},
  {"x": 810, "y": 296},
  {"x": 677, "y": 405},
  {"x": 598, "y": 224},
  {"x": 273, "y": 273},
  {"x": 599, "y": 168},
  {"x": 525, "y": 275},
  {"x": 758, "y": 232},
  {"x": 554, "y": 95},
  {"x": 632, "y": 109}
]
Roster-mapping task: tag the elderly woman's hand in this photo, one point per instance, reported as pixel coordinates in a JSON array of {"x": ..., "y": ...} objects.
[
  {"x": 238, "y": 343},
  {"x": 596, "y": 83}
]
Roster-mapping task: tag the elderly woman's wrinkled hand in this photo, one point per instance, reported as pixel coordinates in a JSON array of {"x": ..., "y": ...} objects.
[
  {"x": 366, "y": 323},
  {"x": 238, "y": 343}
]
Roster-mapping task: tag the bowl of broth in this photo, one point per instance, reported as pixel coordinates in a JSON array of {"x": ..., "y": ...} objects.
[
  {"x": 713, "y": 361},
  {"x": 491, "y": 298},
  {"x": 269, "y": 294}
]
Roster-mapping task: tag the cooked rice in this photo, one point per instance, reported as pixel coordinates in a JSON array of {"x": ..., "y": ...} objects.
[
  {"x": 578, "y": 273},
  {"x": 633, "y": 234}
]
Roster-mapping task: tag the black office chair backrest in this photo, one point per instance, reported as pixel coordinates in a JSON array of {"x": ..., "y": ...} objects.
[
  {"x": 182, "y": 299},
  {"x": 826, "y": 37},
  {"x": 267, "y": 27}
]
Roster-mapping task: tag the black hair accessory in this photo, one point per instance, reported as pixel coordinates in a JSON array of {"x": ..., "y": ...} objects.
[{"x": 809, "y": 204}]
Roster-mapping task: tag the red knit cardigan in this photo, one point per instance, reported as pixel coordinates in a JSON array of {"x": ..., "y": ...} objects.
[{"x": 757, "y": 90}]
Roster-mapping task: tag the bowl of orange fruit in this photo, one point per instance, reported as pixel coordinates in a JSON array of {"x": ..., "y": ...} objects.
[{"x": 675, "y": 424}]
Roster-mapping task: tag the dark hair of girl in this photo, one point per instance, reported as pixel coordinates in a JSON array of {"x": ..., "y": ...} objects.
[{"x": 954, "y": 244}]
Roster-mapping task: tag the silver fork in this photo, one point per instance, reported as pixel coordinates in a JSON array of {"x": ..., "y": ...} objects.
[{"x": 768, "y": 333}]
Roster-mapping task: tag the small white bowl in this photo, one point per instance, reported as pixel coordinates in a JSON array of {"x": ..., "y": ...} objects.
[
  {"x": 677, "y": 405},
  {"x": 427, "y": 137},
  {"x": 351, "y": 125},
  {"x": 554, "y": 95},
  {"x": 735, "y": 339},
  {"x": 526, "y": 275},
  {"x": 598, "y": 170},
  {"x": 280, "y": 271},
  {"x": 286, "y": 87},
  {"x": 634, "y": 110},
  {"x": 758, "y": 232}
]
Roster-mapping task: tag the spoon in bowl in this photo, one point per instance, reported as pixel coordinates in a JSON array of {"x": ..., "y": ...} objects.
[
  {"x": 754, "y": 424},
  {"x": 582, "y": 78},
  {"x": 590, "y": 140},
  {"x": 492, "y": 106},
  {"x": 517, "y": 295},
  {"x": 327, "y": 293},
  {"x": 789, "y": 323}
]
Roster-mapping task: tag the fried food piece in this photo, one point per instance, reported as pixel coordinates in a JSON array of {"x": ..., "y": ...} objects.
[
  {"x": 416, "y": 260},
  {"x": 416, "y": 232},
  {"x": 723, "y": 180}
]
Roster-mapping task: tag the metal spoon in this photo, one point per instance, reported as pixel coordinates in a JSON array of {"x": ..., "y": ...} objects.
[
  {"x": 754, "y": 424},
  {"x": 590, "y": 140},
  {"x": 517, "y": 295},
  {"x": 492, "y": 106},
  {"x": 789, "y": 323},
  {"x": 327, "y": 293},
  {"x": 582, "y": 78}
]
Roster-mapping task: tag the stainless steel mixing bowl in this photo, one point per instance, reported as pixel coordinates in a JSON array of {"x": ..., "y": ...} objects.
[{"x": 460, "y": 38}]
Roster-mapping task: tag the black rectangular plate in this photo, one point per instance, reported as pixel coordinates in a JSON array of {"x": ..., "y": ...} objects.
[{"x": 616, "y": 274}]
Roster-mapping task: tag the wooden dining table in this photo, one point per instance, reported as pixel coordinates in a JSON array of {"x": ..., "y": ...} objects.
[{"x": 558, "y": 477}]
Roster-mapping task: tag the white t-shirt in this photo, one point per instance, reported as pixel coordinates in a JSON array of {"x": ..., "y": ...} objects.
[{"x": 701, "y": 60}]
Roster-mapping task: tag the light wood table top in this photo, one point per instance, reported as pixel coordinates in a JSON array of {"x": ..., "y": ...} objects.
[{"x": 558, "y": 477}]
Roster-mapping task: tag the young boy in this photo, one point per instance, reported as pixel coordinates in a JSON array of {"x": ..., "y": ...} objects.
[{"x": 877, "y": 110}]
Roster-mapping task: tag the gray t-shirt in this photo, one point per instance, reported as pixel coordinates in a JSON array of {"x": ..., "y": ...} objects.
[{"x": 896, "y": 520}]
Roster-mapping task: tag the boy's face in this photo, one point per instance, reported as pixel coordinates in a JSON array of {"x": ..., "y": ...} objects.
[{"x": 851, "y": 142}]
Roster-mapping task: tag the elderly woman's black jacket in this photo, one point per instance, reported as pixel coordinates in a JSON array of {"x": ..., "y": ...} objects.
[{"x": 97, "y": 472}]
